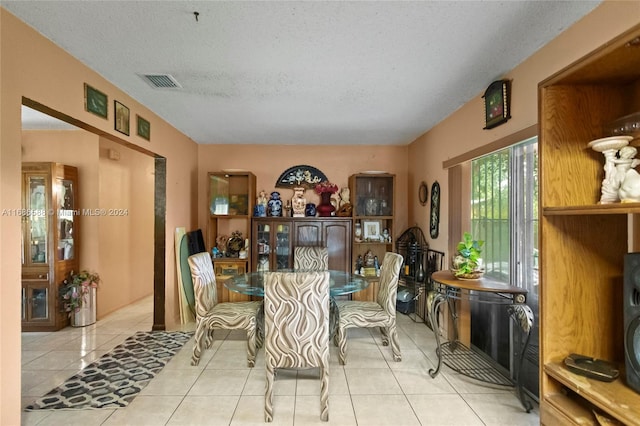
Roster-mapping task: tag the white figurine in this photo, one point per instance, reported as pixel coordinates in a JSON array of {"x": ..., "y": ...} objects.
[
  {"x": 298, "y": 202},
  {"x": 627, "y": 178}
]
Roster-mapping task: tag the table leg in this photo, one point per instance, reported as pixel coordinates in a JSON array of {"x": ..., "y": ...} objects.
[{"x": 438, "y": 300}]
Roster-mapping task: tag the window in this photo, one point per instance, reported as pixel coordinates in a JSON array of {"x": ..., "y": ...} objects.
[{"x": 504, "y": 213}]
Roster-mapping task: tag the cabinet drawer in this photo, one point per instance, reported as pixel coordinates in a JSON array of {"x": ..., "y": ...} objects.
[
  {"x": 35, "y": 276},
  {"x": 230, "y": 268}
]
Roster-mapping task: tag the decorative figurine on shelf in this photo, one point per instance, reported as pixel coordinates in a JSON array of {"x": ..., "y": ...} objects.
[
  {"x": 376, "y": 264},
  {"x": 610, "y": 148},
  {"x": 275, "y": 205},
  {"x": 221, "y": 243},
  {"x": 626, "y": 176},
  {"x": 359, "y": 265},
  {"x": 298, "y": 202},
  {"x": 385, "y": 235},
  {"x": 344, "y": 203},
  {"x": 369, "y": 259},
  {"x": 260, "y": 210}
]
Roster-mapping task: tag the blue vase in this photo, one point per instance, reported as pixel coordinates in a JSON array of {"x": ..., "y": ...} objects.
[
  {"x": 275, "y": 205},
  {"x": 310, "y": 210}
]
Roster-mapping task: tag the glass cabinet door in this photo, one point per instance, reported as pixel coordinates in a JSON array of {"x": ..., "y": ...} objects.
[
  {"x": 229, "y": 194},
  {"x": 66, "y": 206},
  {"x": 39, "y": 303},
  {"x": 283, "y": 244},
  {"x": 35, "y": 303},
  {"x": 36, "y": 213},
  {"x": 263, "y": 239},
  {"x": 374, "y": 196}
]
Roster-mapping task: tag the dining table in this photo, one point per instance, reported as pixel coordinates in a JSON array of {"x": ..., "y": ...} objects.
[{"x": 342, "y": 283}]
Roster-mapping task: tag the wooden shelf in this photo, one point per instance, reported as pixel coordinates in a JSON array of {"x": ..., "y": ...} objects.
[
  {"x": 616, "y": 208},
  {"x": 614, "y": 398}
]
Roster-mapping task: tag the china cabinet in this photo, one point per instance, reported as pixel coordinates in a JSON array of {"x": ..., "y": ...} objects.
[
  {"x": 50, "y": 240},
  {"x": 232, "y": 197},
  {"x": 583, "y": 243},
  {"x": 274, "y": 239},
  {"x": 373, "y": 198}
]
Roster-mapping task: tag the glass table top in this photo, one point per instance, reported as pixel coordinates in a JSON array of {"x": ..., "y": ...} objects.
[{"x": 253, "y": 283}]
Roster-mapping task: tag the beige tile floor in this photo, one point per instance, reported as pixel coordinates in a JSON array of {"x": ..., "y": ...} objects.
[{"x": 370, "y": 390}]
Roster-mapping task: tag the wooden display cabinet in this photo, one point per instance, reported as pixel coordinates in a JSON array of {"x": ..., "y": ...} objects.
[
  {"x": 231, "y": 201},
  {"x": 583, "y": 243},
  {"x": 373, "y": 198},
  {"x": 276, "y": 237},
  {"x": 50, "y": 241}
]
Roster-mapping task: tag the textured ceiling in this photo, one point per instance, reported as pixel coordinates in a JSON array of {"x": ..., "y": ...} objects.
[{"x": 302, "y": 72}]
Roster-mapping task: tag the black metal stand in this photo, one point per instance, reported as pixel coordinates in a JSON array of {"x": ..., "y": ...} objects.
[{"x": 464, "y": 360}]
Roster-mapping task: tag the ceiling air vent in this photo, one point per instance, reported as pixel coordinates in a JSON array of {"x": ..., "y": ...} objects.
[{"x": 161, "y": 81}]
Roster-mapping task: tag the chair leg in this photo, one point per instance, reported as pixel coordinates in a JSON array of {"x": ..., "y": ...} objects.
[
  {"x": 395, "y": 342},
  {"x": 324, "y": 394},
  {"x": 268, "y": 395},
  {"x": 385, "y": 336},
  {"x": 342, "y": 344},
  {"x": 251, "y": 346},
  {"x": 259, "y": 339},
  {"x": 197, "y": 344},
  {"x": 209, "y": 338}
]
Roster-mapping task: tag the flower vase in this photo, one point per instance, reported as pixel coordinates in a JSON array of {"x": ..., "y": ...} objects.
[
  {"x": 86, "y": 314},
  {"x": 325, "y": 208}
]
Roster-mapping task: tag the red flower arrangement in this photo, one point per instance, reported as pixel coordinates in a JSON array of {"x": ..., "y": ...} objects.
[{"x": 326, "y": 187}]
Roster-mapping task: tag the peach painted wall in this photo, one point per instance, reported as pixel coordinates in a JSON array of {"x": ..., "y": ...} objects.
[
  {"x": 126, "y": 189},
  {"x": 27, "y": 58},
  {"x": 462, "y": 131},
  {"x": 268, "y": 162}
]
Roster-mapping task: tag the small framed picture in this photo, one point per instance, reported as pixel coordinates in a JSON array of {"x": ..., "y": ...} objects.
[
  {"x": 371, "y": 230},
  {"x": 144, "y": 128},
  {"x": 122, "y": 118},
  {"x": 95, "y": 101},
  {"x": 497, "y": 100}
]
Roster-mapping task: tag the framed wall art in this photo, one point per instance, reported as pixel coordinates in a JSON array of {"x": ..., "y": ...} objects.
[
  {"x": 434, "y": 220},
  {"x": 144, "y": 128},
  {"x": 95, "y": 101},
  {"x": 497, "y": 101},
  {"x": 121, "y": 117},
  {"x": 371, "y": 230}
]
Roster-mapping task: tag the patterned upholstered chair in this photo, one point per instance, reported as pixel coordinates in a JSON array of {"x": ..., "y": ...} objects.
[
  {"x": 310, "y": 258},
  {"x": 381, "y": 313},
  {"x": 211, "y": 315},
  {"x": 296, "y": 310}
]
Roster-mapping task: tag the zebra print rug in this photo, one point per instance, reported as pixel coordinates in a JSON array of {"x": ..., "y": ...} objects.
[{"x": 117, "y": 377}]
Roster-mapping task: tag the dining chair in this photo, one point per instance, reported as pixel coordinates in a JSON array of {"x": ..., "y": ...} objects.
[
  {"x": 211, "y": 315},
  {"x": 296, "y": 318},
  {"x": 312, "y": 258},
  {"x": 381, "y": 313}
]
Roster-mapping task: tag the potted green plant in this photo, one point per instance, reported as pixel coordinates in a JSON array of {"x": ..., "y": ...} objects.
[
  {"x": 76, "y": 295},
  {"x": 467, "y": 263}
]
